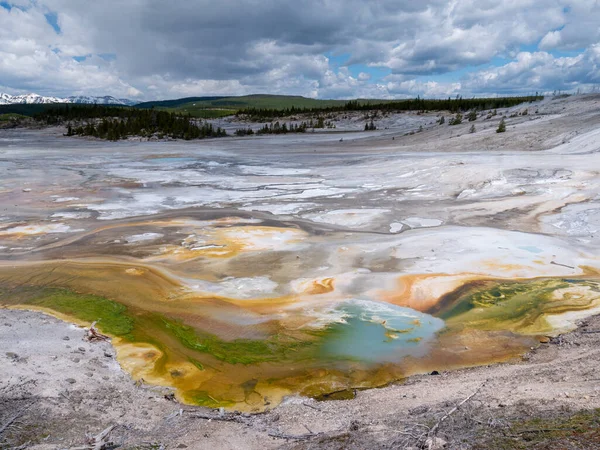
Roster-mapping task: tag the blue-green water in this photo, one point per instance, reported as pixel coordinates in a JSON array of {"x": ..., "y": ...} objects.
[{"x": 378, "y": 332}]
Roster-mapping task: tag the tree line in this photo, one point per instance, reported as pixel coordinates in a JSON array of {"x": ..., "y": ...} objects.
[
  {"x": 274, "y": 128},
  {"x": 454, "y": 105},
  {"x": 115, "y": 123}
]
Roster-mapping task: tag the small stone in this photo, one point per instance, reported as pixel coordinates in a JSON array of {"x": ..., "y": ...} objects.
[
  {"x": 182, "y": 446},
  {"x": 70, "y": 380},
  {"x": 544, "y": 339},
  {"x": 105, "y": 378},
  {"x": 66, "y": 338},
  {"x": 89, "y": 374},
  {"x": 108, "y": 354},
  {"x": 81, "y": 349},
  {"x": 435, "y": 372},
  {"x": 12, "y": 355},
  {"x": 75, "y": 360}
]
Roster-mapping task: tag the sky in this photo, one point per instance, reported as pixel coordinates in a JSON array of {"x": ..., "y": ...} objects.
[{"x": 157, "y": 49}]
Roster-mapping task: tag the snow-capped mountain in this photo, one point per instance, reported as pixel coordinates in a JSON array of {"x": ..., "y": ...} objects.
[
  {"x": 106, "y": 100},
  {"x": 6, "y": 99}
]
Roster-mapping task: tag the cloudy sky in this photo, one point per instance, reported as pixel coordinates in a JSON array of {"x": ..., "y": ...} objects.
[{"x": 149, "y": 49}]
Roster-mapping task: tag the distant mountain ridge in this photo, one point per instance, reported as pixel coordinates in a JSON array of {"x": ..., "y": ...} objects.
[{"x": 35, "y": 99}]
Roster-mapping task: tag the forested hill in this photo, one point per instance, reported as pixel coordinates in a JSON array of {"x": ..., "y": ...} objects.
[
  {"x": 259, "y": 107},
  {"x": 452, "y": 105},
  {"x": 114, "y": 123}
]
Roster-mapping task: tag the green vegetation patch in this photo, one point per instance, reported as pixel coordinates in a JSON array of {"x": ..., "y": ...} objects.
[
  {"x": 112, "y": 317},
  {"x": 203, "y": 398},
  {"x": 578, "y": 431},
  {"x": 262, "y": 101},
  {"x": 240, "y": 351},
  {"x": 9, "y": 117},
  {"x": 117, "y": 320},
  {"x": 201, "y": 112},
  {"x": 517, "y": 306}
]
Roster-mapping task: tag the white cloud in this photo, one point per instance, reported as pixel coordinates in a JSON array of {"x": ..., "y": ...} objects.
[
  {"x": 183, "y": 47},
  {"x": 540, "y": 71},
  {"x": 550, "y": 41}
]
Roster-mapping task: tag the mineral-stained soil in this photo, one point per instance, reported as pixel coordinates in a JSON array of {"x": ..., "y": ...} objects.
[
  {"x": 261, "y": 274},
  {"x": 57, "y": 388}
]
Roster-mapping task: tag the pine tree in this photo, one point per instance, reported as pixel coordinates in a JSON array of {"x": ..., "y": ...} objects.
[
  {"x": 472, "y": 116},
  {"x": 457, "y": 120},
  {"x": 472, "y": 129},
  {"x": 501, "y": 126}
]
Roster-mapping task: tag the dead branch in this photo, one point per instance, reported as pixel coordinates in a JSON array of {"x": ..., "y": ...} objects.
[
  {"x": 10, "y": 421},
  {"x": 453, "y": 410},
  {"x": 98, "y": 442},
  {"x": 295, "y": 437},
  {"x": 223, "y": 418},
  {"x": 561, "y": 265},
  {"x": 93, "y": 335},
  {"x": 308, "y": 405},
  {"x": 13, "y": 419}
]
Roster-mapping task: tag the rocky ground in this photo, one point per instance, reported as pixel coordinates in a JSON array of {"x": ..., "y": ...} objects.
[{"x": 58, "y": 390}]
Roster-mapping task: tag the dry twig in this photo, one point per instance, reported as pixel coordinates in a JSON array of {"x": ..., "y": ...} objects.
[
  {"x": 296, "y": 437},
  {"x": 13, "y": 419},
  {"x": 453, "y": 410}
]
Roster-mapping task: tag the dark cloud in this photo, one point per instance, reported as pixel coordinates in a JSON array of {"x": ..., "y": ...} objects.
[{"x": 206, "y": 47}]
